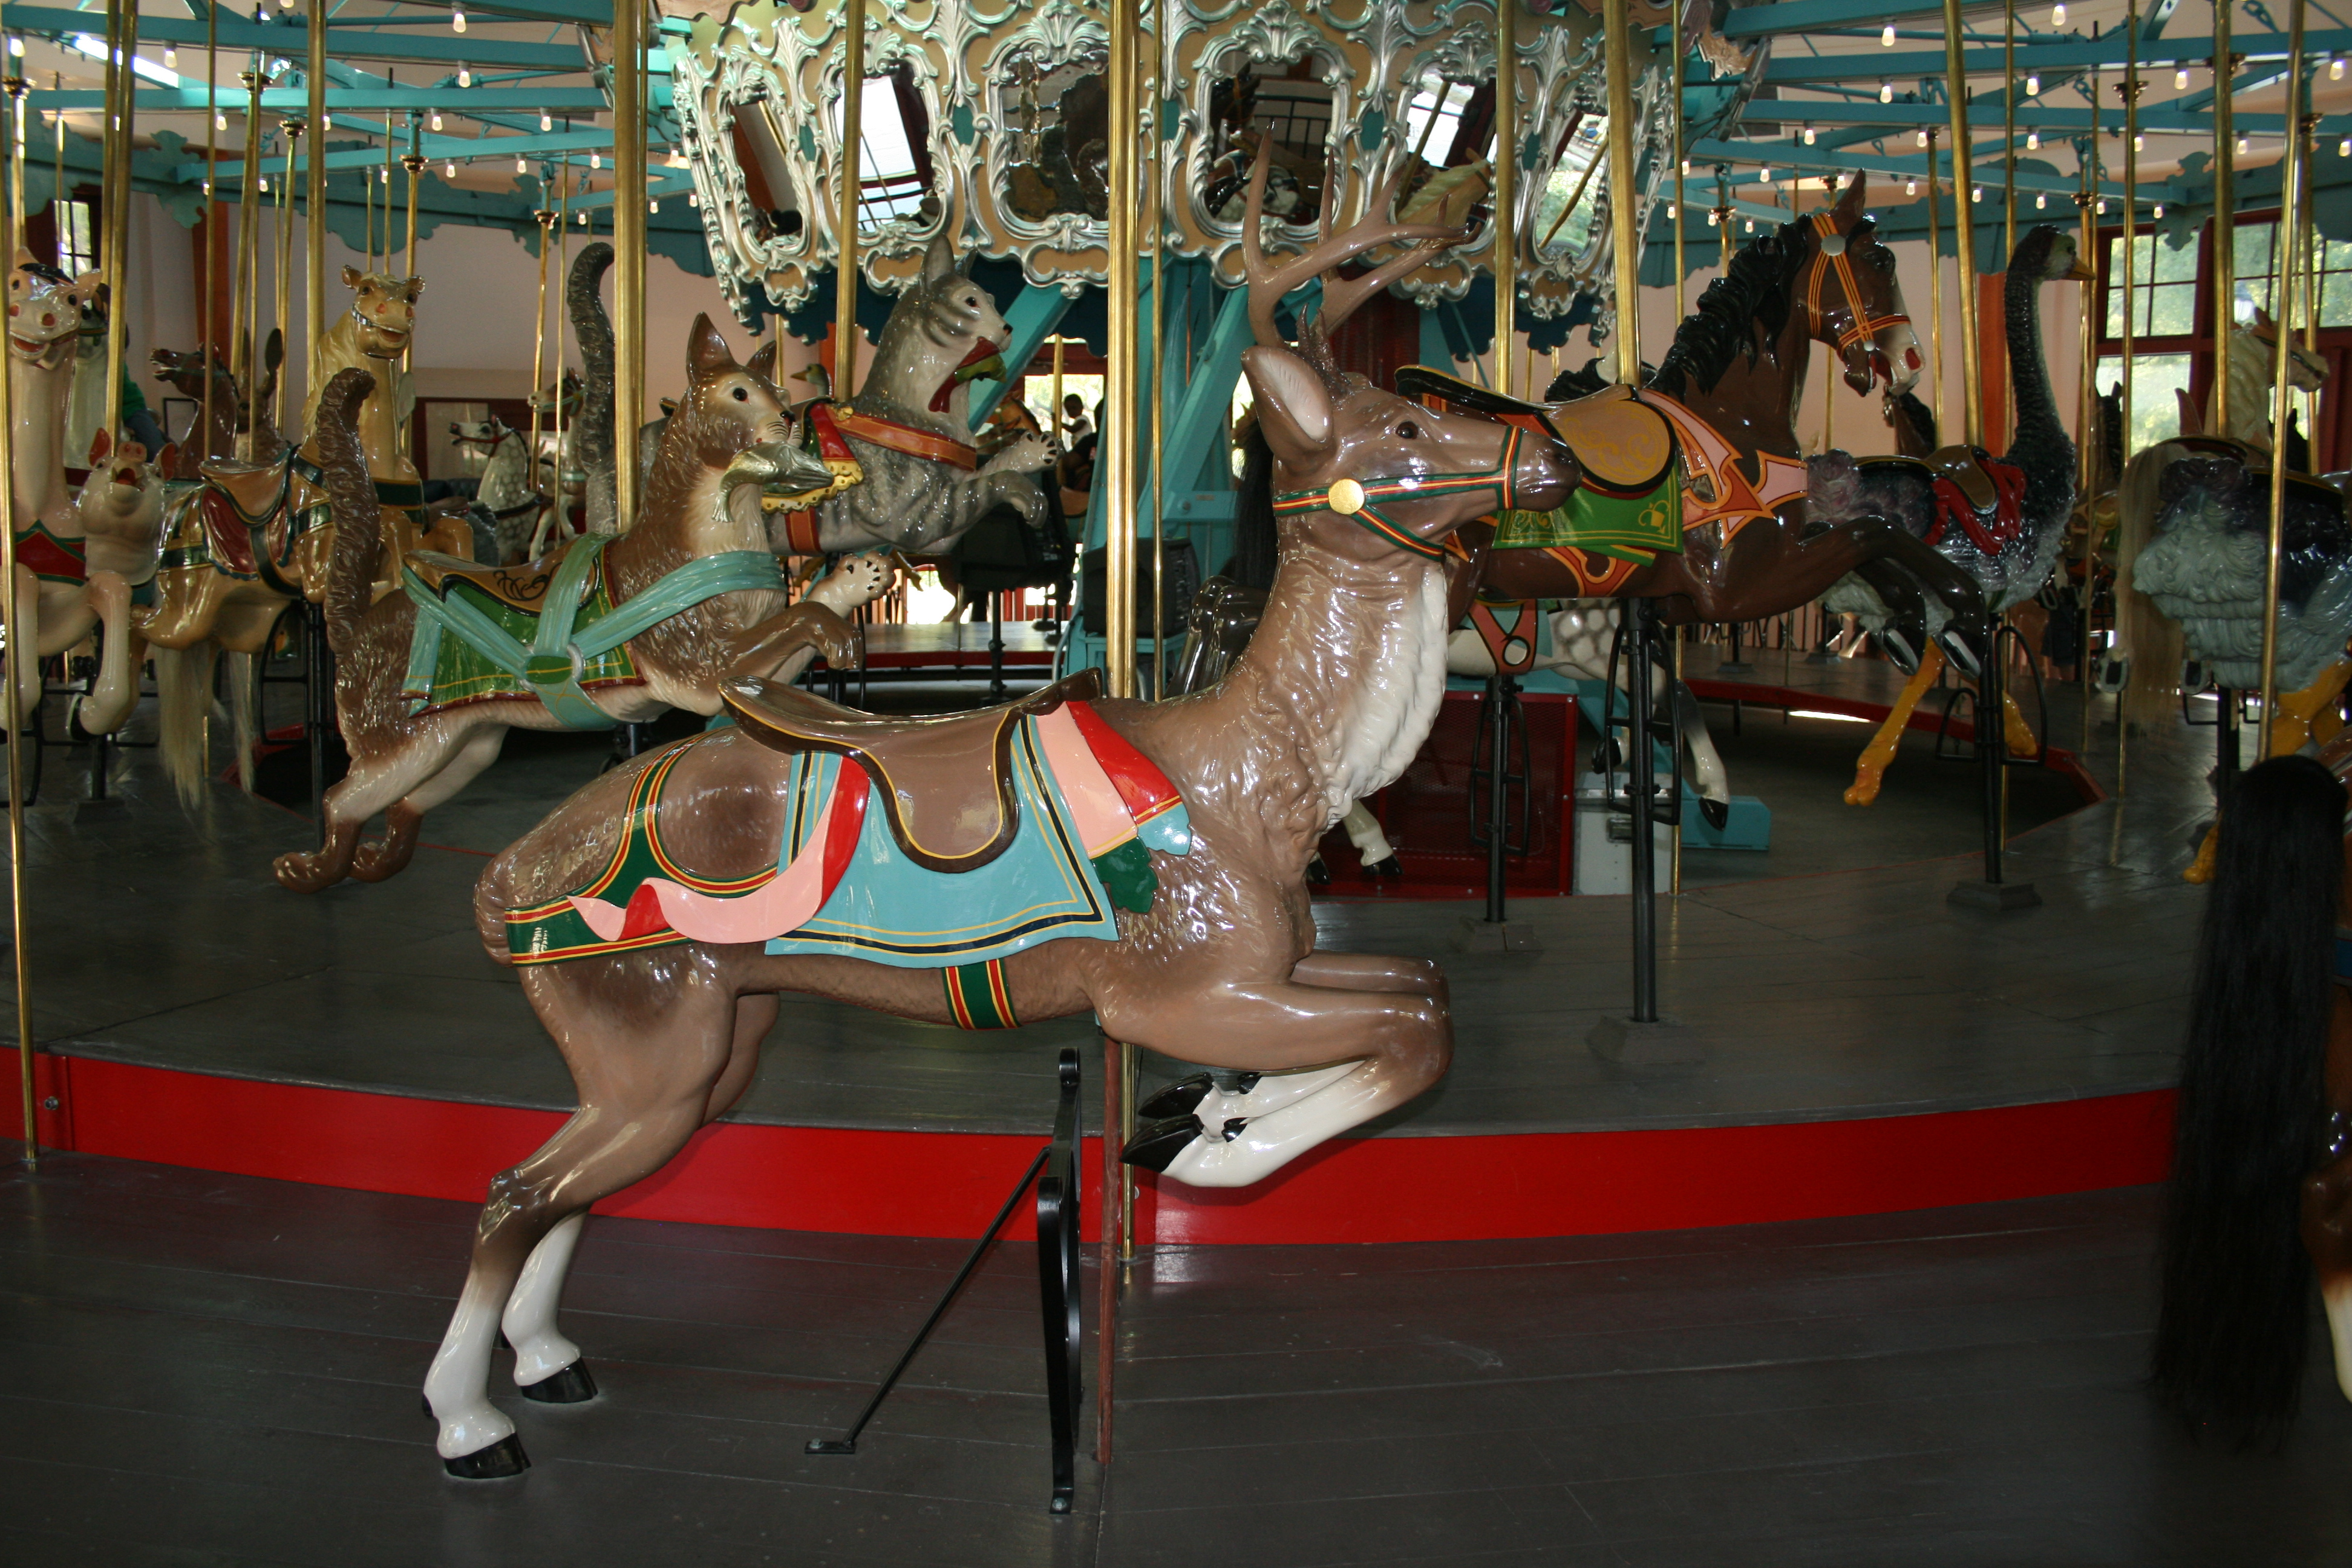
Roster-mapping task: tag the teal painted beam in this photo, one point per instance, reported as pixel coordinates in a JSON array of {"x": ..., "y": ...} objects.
[
  {"x": 1779, "y": 155},
  {"x": 1198, "y": 429},
  {"x": 1815, "y": 16},
  {"x": 451, "y": 99},
  {"x": 2045, "y": 119},
  {"x": 290, "y": 39},
  {"x": 436, "y": 149},
  {"x": 595, "y": 12},
  {"x": 1029, "y": 321},
  {"x": 2075, "y": 54}
]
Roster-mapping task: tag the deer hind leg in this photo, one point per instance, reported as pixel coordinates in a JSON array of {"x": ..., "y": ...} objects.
[
  {"x": 644, "y": 1089},
  {"x": 403, "y": 819},
  {"x": 376, "y": 782},
  {"x": 1370, "y": 1049}
]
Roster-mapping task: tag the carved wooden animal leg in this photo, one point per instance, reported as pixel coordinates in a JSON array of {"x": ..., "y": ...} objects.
[
  {"x": 374, "y": 783},
  {"x": 1870, "y": 768},
  {"x": 2294, "y": 725},
  {"x": 389, "y": 856},
  {"x": 116, "y": 691},
  {"x": 1378, "y": 1047},
  {"x": 646, "y": 1073},
  {"x": 2021, "y": 740},
  {"x": 2201, "y": 869}
]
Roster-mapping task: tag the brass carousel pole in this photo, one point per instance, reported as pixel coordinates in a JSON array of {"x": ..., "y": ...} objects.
[
  {"x": 18, "y": 87},
  {"x": 563, "y": 272},
  {"x": 414, "y": 162},
  {"x": 205, "y": 341},
  {"x": 314, "y": 195},
  {"x": 1158, "y": 384},
  {"x": 629, "y": 245},
  {"x": 293, "y": 128},
  {"x": 2282, "y": 355},
  {"x": 116, "y": 219},
  {"x": 853, "y": 132},
  {"x": 545, "y": 219},
  {"x": 1116, "y": 462},
  {"x": 2008, "y": 138},
  {"x": 1617, "y": 42},
  {"x": 1675, "y": 149},
  {"x": 1506, "y": 193},
  {"x": 28, "y": 1103},
  {"x": 1935, "y": 288},
  {"x": 2086, "y": 413},
  {"x": 2130, "y": 263},
  {"x": 2307, "y": 247},
  {"x": 2225, "y": 208},
  {"x": 248, "y": 269},
  {"x": 1963, "y": 231}
]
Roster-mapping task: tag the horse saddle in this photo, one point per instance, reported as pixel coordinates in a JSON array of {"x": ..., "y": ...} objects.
[
  {"x": 256, "y": 490},
  {"x": 945, "y": 785},
  {"x": 519, "y": 587},
  {"x": 1966, "y": 469}
]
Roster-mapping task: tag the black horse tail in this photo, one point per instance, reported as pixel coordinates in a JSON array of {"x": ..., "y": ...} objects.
[{"x": 2231, "y": 1331}]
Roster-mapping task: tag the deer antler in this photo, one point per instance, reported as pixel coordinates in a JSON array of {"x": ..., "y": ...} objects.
[{"x": 1268, "y": 285}]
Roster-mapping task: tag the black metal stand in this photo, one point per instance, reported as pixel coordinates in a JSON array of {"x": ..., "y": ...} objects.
[
  {"x": 1056, "y": 1171},
  {"x": 996, "y": 647},
  {"x": 318, "y": 701},
  {"x": 1501, "y": 722},
  {"x": 1992, "y": 764},
  {"x": 1735, "y": 664},
  {"x": 1644, "y": 1039}
]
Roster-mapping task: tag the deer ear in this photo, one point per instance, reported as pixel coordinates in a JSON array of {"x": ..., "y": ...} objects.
[
  {"x": 353, "y": 276},
  {"x": 1293, "y": 407},
  {"x": 1852, "y": 201},
  {"x": 763, "y": 363},
  {"x": 99, "y": 447},
  {"x": 706, "y": 351}
]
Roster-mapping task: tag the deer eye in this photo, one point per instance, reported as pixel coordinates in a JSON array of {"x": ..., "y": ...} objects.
[
  {"x": 1407, "y": 430},
  {"x": 741, "y": 395}
]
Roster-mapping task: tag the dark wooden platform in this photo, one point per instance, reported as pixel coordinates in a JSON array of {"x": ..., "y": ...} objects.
[{"x": 199, "y": 1369}]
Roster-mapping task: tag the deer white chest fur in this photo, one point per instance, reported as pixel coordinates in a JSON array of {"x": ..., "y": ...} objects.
[{"x": 1388, "y": 709}]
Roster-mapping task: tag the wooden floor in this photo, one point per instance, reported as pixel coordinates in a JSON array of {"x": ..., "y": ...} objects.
[{"x": 207, "y": 1370}]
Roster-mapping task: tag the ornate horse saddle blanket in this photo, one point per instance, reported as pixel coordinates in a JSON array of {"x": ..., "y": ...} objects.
[
  {"x": 51, "y": 559},
  {"x": 1974, "y": 492},
  {"x": 249, "y": 518},
  {"x": 1084, "y": 810},
  {"x": 822, "y": 438}
]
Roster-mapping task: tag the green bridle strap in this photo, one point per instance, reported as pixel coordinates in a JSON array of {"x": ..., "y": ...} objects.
[{"x": 1368, "y": 516}]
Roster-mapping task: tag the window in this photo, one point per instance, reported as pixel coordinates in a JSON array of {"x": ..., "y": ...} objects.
[
  {"x": 1571, "y": 179},
  {"x": 1434, "y": 118},
  {"x": 893, "y": 164},
  {"x": 76, "y": 237}
]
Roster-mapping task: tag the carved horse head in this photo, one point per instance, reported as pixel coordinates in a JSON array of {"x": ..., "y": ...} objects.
[
  {"x": 384, "y": 312},
  {"x": 45, "y": 314},
  {"x": 1854, "y": 306}
]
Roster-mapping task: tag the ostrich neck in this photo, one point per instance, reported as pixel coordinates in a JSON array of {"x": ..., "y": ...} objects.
[
  {"x": 37, "y": 444},
  {"x": 2029, "y": 376}
]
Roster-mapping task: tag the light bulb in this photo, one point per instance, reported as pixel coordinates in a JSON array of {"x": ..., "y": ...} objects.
[
  {"x": 1749, "y": 226},
  {"x": 547, "y": 123},
  {"x": 465, "y": 76},
  {"x": 2041, "y": 200},
  {"x": 171, "y": 56},
  {"x": 1886, "y": 39},
  {"x": 2058, "y": 15},
  {"x": 327, "y": 124},
  {"x": 2032, "y": 141},
  {"x": 653, "y": 206},
  {"x": 1922, "y": 136},
  {"x": 1670, "y": 212},
  {"x": 595, "y": 159},
  {"x": 584, "y": 218},
  {"x": 1910, "y": 187},
  {"x": 2180, "y": 77},
  {"x": 220, "y": 121},
  {"x": 436, "y": 120},
  {"x": 2344, "y": 148},
  {"x": 383, "y": 177},
  {"x": 1885, "y": 93},
  {"x": 2140, "y": 143},
  {"x": 1809, "y": 135},
  {"x": 522, "y": 167},
  {"x": 2103, "y": 206},
  {"x": 1976, "y": 194},
  {"x": 449, "y": 170},
  {"x": 261, "y": 12},
  {"x": 457, "y": 19},
  {"x": 2033, "y": 84},
  {"x": 2159, "y": 210},
  {"x": 1712, "y": 220},
  {"x": 265, "y": 184},
  {"x": 2336, "y": 68},
  {"x": 2244, "y": 146},
  {"x": 1764, "y": 177},
  {"x": 694, "y": 199},
  {"x": 1687, "y": 168}
]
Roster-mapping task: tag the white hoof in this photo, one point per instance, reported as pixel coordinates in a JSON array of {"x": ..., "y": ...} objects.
[{"x": 470, "y": 1428}]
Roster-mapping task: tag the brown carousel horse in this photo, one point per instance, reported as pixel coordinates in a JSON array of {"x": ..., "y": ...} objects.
[
  {"x": 232, "y": 408},
  {"x": 255, "y": 537},
  {"x": 653, "y": 918},
  {"x": 1714, "y": 426}
]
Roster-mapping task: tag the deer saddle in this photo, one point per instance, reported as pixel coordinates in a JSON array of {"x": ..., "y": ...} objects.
[{"x": 945, "y": 785}]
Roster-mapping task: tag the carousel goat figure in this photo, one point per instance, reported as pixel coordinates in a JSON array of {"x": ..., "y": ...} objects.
[
  {"x": 610, "y": 628},
  {"x": 2002, "y": 521},
  {"x": 505, "y": 503},
  {"x": 256, "y": 537},
  {"x": 2259, "y": 1197},
  {"x": 1697, "y": 492},
  {"x": 80, "y": 554},
  {"x": 232, "y": 408},
  {"x": 1061, "y": 855}
]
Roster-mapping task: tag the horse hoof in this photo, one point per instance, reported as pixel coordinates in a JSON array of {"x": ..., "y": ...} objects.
[
  {"x": 1388, "y": 870},
  {"x": 1179, "y": 1099},
  {"x": 573, "y": 1384},
  {"x": 502, "y": 1458},
  {"x": 1156, "y": 1144},
  {"x": 1716, "y": 813}
]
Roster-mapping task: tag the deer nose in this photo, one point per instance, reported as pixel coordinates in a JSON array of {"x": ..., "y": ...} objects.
[{"x": 1547, "y": 473}]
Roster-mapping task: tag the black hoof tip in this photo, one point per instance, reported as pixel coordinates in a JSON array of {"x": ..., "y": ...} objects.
[
  {"x": 1156, "y": 1144},
  {"x": 1234, "y": 1125},
  {"x": 1900, "y": 650},
  {"x": 1716, "y": 813},
  {"x": 1318, "y": 875},
  {"x": 1179, "y": 1099},
  {"x": 1962, "y": 653},
  {"x": 502, "y": 1458},
  {"x": 1388, "y": 870},
  {"x": 573, "y": 1384}
]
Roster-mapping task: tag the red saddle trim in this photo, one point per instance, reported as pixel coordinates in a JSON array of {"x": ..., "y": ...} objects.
[
  {"x": 1990, "y": 534},
  {"x": 1142, "y": 788},
  {"x": 224, "y": 531},
  {"x": 905, "y": 438},
  {"x": 47, "y": 556}
]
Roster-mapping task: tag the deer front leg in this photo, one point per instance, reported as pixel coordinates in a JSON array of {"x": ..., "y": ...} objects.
[
  {"x": 762, "y": 651},
  {"x": 116, "y": 691},
  {"x": 1372, "y": 1049}
]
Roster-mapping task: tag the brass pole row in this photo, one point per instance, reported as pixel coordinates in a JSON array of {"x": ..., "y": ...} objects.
[
  {"x": 2282, "y": 355},
  {"x": 629, "y": 244}
]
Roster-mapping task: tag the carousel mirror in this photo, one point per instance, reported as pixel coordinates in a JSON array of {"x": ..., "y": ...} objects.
[
  {"x": 1057, "y": 138},
  {"x": 1290, "y": 109}
]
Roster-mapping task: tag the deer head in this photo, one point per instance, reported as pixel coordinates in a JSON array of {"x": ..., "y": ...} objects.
[{"x": 1364, "y": 472}]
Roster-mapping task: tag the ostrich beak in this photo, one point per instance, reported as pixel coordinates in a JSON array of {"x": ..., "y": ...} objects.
[{"x": 2079, "y": 271}]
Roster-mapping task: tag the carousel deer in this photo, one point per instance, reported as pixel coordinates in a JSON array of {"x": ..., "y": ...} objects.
[{"x": 653, "y": 917}]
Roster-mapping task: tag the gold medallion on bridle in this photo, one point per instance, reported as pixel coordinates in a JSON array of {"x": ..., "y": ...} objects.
[{"x": 1347, "y": 497}]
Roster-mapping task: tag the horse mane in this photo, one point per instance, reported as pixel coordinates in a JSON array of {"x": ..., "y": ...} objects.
[{"x": 1754, "y": 290}]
